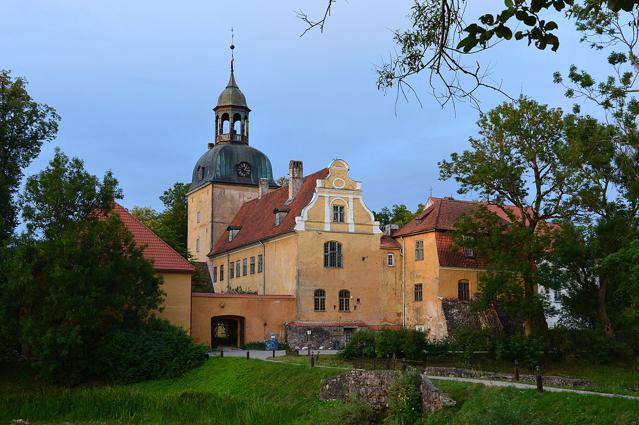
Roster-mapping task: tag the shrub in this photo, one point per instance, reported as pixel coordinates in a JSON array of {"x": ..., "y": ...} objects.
[
  {"x": 585, "y": 344},
  {"x": 526, "y": 350},
  {"x": 402, "y": 344},
  {"x": 439, "y": 347},
  {"x": 405, "y": 399},
  {"x": 155, "y": 349},
  {"x": 354, "y": 412},
  {"x": 361, "y": 344}
]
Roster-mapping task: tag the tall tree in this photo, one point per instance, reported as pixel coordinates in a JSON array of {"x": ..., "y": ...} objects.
[
  {"x": 77, "y": 275},
  {"x": 517, "y": 161},
  {"x": 24, "y": 126},
  {"x": 171, "y": 225},
  {"x": 399, "y": 214}
]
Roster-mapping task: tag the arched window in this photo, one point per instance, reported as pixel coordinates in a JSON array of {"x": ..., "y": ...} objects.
[
  {"x": 344, "y": 300},
  {"x": 225, "y": 124},
  {"x": 463, "y": 290},
  {"x": 320, "y": 300},
  {"x": 332, "y": 254},
  {"x": 237, "y": 124}
]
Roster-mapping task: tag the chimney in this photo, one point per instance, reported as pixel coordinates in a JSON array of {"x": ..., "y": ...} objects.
[
  {"x": 295, "y": 178},
  {"x": 262, "y": 188}
]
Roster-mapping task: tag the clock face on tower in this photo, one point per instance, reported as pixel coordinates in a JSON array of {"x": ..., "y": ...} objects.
[{"x": 243, "y": 169}]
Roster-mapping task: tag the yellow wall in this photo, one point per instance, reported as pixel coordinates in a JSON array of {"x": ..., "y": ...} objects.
[
  {"x": 177, "y": 303},
  {"x": 264, "y": 315},
  {"x": 449, "y": 278}
]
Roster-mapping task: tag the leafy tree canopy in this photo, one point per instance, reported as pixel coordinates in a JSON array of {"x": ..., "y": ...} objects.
[{"x": 397, "y": 214}]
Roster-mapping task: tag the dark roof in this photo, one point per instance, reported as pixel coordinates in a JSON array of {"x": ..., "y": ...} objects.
[
  {"x": 163, "y": 257},
  {"x": 452, "y": 256},
  {"x": 219, "y": 164},
  {"x": 232, "y": 95},
  {"x": 257, "y": 221}
]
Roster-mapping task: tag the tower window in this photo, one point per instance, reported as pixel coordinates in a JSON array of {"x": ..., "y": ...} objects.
[
  {"x": 419, "y": 292},
  {"x": 338, "y": 213},
  {"x": 333, "y": 254},
  {"x": 319, "y": 298},
  {"x": 419, "y": 250},
  {"x": 463, "y": 290},
  {"x": 197, "y": 245},
  {"x": 344, "y": 300}
]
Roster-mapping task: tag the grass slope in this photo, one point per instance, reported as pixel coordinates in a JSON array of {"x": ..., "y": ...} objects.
[{"x": 237, "y": 391}]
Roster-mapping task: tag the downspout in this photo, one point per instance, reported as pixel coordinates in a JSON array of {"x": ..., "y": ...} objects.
[
  {"x": 403, "y": 253},
  {"x": 228, "y": 272},
  {"x": 263, "y": 267}
]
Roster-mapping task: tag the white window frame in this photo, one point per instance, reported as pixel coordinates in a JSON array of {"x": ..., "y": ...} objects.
[{"x": 390, "y": 259}]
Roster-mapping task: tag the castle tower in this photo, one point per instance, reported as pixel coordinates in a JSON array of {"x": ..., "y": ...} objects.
[{"x": 227, "y": 175}]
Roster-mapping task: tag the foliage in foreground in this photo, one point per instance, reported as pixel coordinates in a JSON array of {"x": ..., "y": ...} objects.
[
  {"x": 238, "y": 391},
  {"x": 153, "y": 350}
]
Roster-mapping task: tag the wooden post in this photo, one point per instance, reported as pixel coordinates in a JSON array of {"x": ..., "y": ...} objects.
[
  {"x": 248, "y": 354},
  {"x": 222, "y": 352},
  {"x": 312, "y": 361},
  {"x": 540, "y": 383},
  {"x": 516, "y": 370},
  {"x": 273, "y": 353}
]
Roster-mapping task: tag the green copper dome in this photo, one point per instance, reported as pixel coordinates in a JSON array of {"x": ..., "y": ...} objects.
[
  {"x": 227, "y": 163},
  {"x": 232, "y": 95}
]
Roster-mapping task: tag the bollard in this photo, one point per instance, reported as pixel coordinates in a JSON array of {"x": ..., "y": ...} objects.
[
  {"x": 540, "y": 383},
  {"x": 516, "y": 370},
  {"x": 273, "y": 353},
  {"x": 248, "y": 354},
  {"x": 222, "y": 352},
  {"x": 317, "y": 358},
  {"x": 309, "y": 350},
  {"x": 312, "y": 361}
]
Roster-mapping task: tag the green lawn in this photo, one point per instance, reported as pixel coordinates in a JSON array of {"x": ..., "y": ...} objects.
[
  {"x": 612, "y": 378},
  {"x": 240, "y": 391}
]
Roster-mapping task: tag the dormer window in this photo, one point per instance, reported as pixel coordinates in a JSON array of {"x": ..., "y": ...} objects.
[
  {"x": 279, "y": 215},
  {"x": 468, "y": 250},
  {"x": 233, "y": 231}
]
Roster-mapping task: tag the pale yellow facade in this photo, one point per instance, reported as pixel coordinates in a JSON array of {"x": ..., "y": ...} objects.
[{"x": 176, "y": 307}]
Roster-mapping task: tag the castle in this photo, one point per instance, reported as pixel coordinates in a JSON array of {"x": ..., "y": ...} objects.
[{"x": 306, "y": 262}]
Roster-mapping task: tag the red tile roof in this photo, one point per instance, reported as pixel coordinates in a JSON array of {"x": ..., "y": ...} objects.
[
  {"x": 257, "y": 220},
  {"x": 387, "y": 242},
  {"x": 163, "y": 257},
  {"x": 452, "y": 256}
]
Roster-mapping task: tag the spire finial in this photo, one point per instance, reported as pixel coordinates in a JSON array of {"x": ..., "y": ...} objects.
[{"x": 232, "y": 48}]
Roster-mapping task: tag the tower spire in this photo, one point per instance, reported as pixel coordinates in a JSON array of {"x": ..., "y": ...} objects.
[{"x": 232, "y": 48}]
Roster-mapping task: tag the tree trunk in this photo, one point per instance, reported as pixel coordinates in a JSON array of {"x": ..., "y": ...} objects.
[{"x": 602, "y": 314}]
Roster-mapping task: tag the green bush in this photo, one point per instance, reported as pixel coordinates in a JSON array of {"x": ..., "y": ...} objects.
[
  {"x": 155, "y": 349},
  {"x": 401, "y": 344},
  {"x": 439, "y": 347},
  {"x": 405, "y": 399},
  {"x": 585, "y": 344},
  {"x": 526, "y": 350}
]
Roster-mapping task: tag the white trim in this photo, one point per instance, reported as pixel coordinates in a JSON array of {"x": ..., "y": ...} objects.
[
  {"x": 300, "y": 220},
  {"x": 327, "y": 213},
  {"x": 351, "y": 217}
]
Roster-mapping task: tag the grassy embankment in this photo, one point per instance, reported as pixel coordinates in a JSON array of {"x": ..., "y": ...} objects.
[{"x": 237, "y": 391}]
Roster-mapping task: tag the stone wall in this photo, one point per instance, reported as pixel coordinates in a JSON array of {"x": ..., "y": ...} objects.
[
  {"x": 373, "y": 386},
  {"x": 321, "y": 337},
  {"x": 458, "y": 315},
  {"x": 559, "y": 381}
]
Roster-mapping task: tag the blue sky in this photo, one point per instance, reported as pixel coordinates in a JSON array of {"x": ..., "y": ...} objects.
[{"x": 135, "y": 81}]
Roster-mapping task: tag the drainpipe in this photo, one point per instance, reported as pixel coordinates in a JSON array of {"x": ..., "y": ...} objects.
[
  {"x": 228, "y": 272},
  {"x": 403, "y": 253},
  {"x": 263, "y": 268}
]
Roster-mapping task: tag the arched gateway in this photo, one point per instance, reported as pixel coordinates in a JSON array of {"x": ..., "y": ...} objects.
[{"x": 227, "y": 331}]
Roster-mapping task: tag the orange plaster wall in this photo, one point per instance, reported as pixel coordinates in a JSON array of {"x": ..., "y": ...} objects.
[
  {"x": 177, "y": 301},
  {"x": 258, "y": 310}
]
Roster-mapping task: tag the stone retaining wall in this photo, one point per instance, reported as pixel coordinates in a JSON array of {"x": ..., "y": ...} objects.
[{"x": 559, "y": 381}]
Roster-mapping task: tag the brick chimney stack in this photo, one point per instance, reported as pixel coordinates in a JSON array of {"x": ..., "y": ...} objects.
[
  {"x": 263, "y": 187},
  {"x": 295, "y": 178}
]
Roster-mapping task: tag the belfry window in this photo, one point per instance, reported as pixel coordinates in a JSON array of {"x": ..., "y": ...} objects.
[
  {"x": 333, "y": 254},
  {"x": 344, "y": 300},
  {"x": 319, "y": 298},
  {"x": 338, "y": 213}
]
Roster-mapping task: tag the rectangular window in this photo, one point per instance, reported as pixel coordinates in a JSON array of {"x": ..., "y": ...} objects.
[
  {"x": 231, "y": 270},
  {"x": 320, "y": 300},
  {"x": 237, "y": 268},
  {"x": 468, "y": 250},
  {"x": 338, "y": 213},
  {"x": 463, "y": 290},
  {"x": 197, "y": 245},
  {"x": 260, "y": 263},
  {"x": 390, "y": 260},
  {"x": 214, "y": 274},
  {"x": 419, "y": 250},
  {"x": 332, "y": 254},
  {"x": 252, "y": 265},
  {"x": 222, "y": 273},
  {"x": 197, "y": 217},
  {"x": 244, "y": 267},
  {"x": 419, "y": 295}
]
